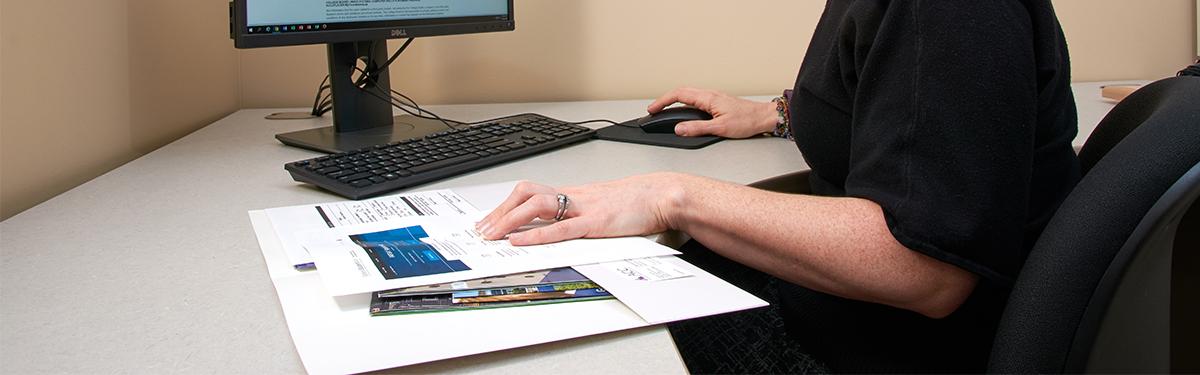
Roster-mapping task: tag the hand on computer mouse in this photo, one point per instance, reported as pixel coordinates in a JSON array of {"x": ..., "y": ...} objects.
[{"x": 733, "y": 117}]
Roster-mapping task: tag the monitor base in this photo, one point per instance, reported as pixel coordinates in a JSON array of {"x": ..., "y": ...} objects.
[{"x": 327, "y": 140}]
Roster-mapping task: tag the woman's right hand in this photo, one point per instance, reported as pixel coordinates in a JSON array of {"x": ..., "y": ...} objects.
[{"x": 733, "y": 117}]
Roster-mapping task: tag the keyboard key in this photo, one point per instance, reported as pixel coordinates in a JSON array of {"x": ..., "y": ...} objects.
[
  {"x": 443, "y": 163},
  {"x": 355, "y": 176}
]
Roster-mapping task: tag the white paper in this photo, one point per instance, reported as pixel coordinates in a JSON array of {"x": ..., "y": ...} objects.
[
  {"x": 649, "y": 269},
  {"x": 414, "y": 251},
  {"x": 431, "y": 203},
  {"x": 288, "y": 221},
  {"x": 661, "y": 301},
  {"x": 339, "y": 336}
]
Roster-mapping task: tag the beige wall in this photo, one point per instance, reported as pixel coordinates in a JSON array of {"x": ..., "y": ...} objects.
[
  {"x": 184, "y": 78},
  {"x": 105, "y": 82},
  {"x": 609, "y": 49},
  {"x": 1121, "y": 39},
  {"x": 576, "y": 50},
  {"x": 128, "y": 76}
]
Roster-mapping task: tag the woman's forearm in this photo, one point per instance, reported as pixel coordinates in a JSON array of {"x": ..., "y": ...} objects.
[{"x": 840, "y": 246}]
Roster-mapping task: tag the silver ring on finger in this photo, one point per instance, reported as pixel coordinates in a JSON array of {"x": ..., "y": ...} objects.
[{"x": 563, "y": 203}]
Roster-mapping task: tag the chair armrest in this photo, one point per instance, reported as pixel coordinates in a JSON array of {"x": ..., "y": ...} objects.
[{"x": 793, "y": 183}]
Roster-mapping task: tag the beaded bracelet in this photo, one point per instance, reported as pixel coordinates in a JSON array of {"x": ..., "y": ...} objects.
[{"x": 783, "y": 127}]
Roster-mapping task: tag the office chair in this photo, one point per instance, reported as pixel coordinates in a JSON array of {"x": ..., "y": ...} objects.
[
  {"x": 1111, "y": 284},
  {"x": 1096, "y": 293}
]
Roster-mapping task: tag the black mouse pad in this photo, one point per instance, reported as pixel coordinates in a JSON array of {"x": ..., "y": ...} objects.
[{"x": 634, "y": 134}]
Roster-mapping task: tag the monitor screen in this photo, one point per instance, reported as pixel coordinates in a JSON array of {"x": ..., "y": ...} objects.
[{"x": 268, "y": 23}]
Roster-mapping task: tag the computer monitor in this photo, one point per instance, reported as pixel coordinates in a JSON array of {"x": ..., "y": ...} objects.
[{"x": 357, "y": 31}]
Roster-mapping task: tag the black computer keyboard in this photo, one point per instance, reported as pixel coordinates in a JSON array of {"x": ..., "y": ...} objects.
[{"x": 379, "y": 169}]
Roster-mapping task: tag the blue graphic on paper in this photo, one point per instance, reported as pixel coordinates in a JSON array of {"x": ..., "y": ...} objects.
[{"x": 400, "y": 253}]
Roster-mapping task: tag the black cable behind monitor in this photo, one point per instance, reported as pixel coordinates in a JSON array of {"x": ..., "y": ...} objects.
[
  {"x": 403, "y": 106},
  {"x": 323, "y": 102},
  {"x": 321, "y": 105},
  {"x": 368, "y": 84}
]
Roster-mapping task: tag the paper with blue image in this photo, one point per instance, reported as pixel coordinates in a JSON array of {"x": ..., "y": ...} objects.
[
  {"x": 290, "y": 222},
  {"x": 414, "y": 251},
  {"x": 399, "y": 253}
]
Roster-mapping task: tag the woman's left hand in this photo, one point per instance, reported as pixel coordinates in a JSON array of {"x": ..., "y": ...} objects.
[{"x": 631, "y": 206}]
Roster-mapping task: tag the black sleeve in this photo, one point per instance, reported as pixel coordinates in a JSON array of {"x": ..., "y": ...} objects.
[{"x": 942, "y": 129}]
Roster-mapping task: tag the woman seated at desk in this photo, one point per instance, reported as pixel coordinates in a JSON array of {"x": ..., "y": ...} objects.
[{"x": 939, "y": 138}]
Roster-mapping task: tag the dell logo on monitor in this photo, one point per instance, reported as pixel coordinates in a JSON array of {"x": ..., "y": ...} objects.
[{"x": 399, "y": 33}]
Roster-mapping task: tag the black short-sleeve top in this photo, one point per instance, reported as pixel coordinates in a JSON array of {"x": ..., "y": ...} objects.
[{"x": 956, "y": 117}]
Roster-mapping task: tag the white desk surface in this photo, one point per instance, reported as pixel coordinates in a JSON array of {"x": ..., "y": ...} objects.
[{"x": 153, "y": 267}]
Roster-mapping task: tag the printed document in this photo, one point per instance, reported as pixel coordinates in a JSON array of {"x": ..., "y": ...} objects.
[
  {"x": 288, "y": 221},
  {"x": 414, "y": 251},
  {"x": 339, "y": 335},
  {"x": 655, "y": 289}
]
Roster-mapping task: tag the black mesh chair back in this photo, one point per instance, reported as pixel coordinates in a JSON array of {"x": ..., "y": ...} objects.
[{"x": 1097, "y": 292}]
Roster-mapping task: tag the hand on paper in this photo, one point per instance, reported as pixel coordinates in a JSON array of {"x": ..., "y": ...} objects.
[
  {"x": 733, "y": 117},
  {"x": 631, "y": 206}
]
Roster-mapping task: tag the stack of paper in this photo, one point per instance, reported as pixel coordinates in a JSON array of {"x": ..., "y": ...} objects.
[{"x": 414, "y": 240}]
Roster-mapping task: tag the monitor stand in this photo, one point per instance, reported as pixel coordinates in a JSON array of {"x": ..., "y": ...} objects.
[
  {"x": 360, "y": 119},
  {"x": 328, "y": 140}
]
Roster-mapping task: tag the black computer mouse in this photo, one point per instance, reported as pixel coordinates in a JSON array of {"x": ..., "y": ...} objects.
[{"x": 665, "y": 120}]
